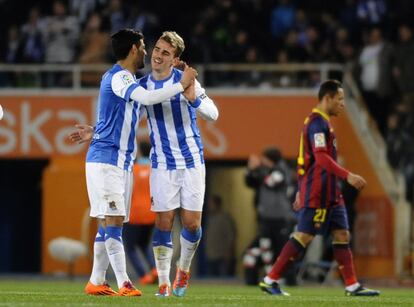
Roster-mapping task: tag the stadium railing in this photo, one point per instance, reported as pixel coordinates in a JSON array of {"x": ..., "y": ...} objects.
[{"x": 300, "y": 75}]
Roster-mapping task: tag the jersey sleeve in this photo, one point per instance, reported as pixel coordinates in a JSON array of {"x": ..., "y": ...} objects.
[
  {"x": 204, "y": 104},
  {"x": 123, "y": 84},
  {"x": 318, "y": 135}
]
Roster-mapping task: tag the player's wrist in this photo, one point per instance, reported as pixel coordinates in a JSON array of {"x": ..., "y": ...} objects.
[{"x": 196, "y": 103}]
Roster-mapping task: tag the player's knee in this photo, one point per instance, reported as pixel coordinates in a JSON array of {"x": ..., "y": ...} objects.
[
  {"x": 303, "y": 238},
  {"x": 164, "y": 221},
  {"x": 192, "y": 226},
  {"x": 341, "y": 236}
]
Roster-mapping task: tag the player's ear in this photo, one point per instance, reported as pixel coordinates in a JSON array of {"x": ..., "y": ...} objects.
[{"x": 176, "y": 61}]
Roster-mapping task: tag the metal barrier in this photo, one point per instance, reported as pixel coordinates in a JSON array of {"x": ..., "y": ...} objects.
[{"x": 34, "y": 74}]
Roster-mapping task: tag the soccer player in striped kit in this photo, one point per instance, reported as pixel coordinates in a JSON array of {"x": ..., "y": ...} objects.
[
  {"x": 112, "y": 152},
  {"x": 177, "y": 177},
  {"x": 319, "y": 202}
]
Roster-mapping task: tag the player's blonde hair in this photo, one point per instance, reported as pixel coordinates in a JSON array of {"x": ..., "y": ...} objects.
[{"x": 174, "y": 40}]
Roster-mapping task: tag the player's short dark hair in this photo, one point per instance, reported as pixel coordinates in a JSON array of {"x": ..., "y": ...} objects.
[
  {"x": 123, "y": 40},
  {"x": 330, "y": 88},
  {"x": 144, "y": 148}
]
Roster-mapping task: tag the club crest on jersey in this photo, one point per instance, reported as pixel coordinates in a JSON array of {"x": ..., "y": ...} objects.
[
  {"x": 112, "y": 205},
  {"x": 127, "y": 79},
  {"x": 319, "y": 140},
  {"x": 202, "y": 96}
]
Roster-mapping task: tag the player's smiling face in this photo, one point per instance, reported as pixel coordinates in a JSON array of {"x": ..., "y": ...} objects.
[
  {"x": 336, "y": 103},
  {"x": 163, "y": 56}
]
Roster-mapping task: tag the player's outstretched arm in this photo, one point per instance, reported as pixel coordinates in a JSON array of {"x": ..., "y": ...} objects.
[
  {"x": 124, "y": 86},
  {"x": 83, "y": 134}
]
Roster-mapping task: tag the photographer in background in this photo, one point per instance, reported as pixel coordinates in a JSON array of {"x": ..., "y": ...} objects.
[{"x": 270, "y": 176}]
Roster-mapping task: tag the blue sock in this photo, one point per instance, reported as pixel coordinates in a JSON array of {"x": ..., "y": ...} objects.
[
  {"x": 100, "y": 236},
  {"x": 114, "y": 232},
  {"x": 162, "y": 238},
  {"x": 192, "y": 236}
]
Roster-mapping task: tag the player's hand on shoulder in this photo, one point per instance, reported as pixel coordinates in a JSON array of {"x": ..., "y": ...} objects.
[
  {"x": 356, "y": 181},
  {"x": 296, "y": 203},
  {"x": 188, "y": 76},
  {"x": 180, "y": 65},
  {"x": 190, "y": 93},
  {"x": 83, "y": 134}
]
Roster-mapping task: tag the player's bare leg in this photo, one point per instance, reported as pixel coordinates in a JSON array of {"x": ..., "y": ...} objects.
[
  {"x": 296, "y": 244},
  {"x": 189, "y": 239},
  {"x": 163, "y": 250},
  {"x": 344, "y": 258}
]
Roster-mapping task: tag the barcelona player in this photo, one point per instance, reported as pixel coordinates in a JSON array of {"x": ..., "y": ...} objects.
[{"x": 319, "y": 201}]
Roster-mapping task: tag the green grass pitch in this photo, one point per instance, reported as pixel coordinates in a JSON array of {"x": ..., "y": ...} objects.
[{"x": 65, "y": 293}]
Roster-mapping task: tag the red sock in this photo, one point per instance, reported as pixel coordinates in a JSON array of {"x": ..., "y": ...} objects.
[
  {"x": 343, "y": 255},
  {"x": 288, "y": 254}
]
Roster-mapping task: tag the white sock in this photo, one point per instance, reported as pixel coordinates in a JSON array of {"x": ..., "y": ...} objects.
[
  {"x": 269, "y": 280},
  {"x": 100, "y": 263},
  {"x": 163, "y": 256},
  {"x": 352, "y": 287},
  {"x": 188, "y": 250},
  {"x": 116, "y": 256}
]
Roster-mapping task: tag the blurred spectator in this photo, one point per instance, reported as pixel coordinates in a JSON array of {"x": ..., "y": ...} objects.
[
  {"x": 61, "y": 36},
  {"x": 371, "y": 12},
  {"x": 270, "y": 177},
  {"x": 143, "y": 20},
  {"x": 404, "y": 65},
  {"x": 32, "y": 46},
  {"x": 399, "y": 139},
  {"x": 220, "y": 239},
  {"x": 116, "y": 15},
  {"x": 138, "y": 232},
  {"x": 198, "y": 44},
  {"x": 83, "y": 8},
  {"x": 375, "y": 63},
  {"x": 13, "y": 41},
  {"x": 348, "y": 17},
  {"x": 94, "y": 48},
  {"x": 282, "y": 18}
]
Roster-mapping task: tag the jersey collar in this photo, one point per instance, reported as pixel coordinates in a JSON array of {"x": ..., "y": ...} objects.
[{"x": 323, "y": 114}]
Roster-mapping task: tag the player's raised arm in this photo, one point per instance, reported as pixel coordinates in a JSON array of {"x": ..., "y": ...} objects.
[
  {"x": 198, "y": 99},
  {"x": 124, "y": 86}
]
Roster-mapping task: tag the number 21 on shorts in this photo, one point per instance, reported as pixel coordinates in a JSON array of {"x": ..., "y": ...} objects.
[{"x": 320, "y": 215}]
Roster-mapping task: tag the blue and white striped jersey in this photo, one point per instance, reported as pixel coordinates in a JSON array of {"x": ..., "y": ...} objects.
[
  {"x": 174, "y": 134},
  {"x": 114, "y": 141}
]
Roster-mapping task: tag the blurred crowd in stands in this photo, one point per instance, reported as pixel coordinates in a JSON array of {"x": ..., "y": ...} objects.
[{"x": 372, "y": 38}]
